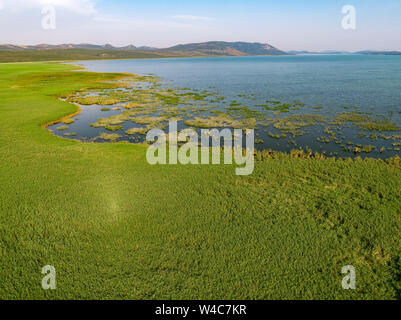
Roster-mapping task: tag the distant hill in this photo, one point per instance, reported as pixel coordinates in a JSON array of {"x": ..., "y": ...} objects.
[
  {"x": 88, "y": 46},
  {"x": 85, "y": 51},
  {"x": 386, "y": 53},
  {"x": 229, "y": 48},
  {"x": 318, "y": 52},
  {"x": 213, "y": 48},
  {"x": 365, "y": 52}
]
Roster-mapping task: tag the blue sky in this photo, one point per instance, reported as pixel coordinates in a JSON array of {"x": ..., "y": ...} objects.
[{"x": 286, "y": 24}]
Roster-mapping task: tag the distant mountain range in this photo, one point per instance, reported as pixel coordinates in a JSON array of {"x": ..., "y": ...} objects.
[
  {"x": 387, "y": 53},
  {"x": 319, "y": 52},
  {"x": 215, "y": 48},
  {"x": 366, "y": 52},
  {"x": 69, "y": 46},
  {"x": 73, "y": 52},
  {"x": 230, "y": 48}
]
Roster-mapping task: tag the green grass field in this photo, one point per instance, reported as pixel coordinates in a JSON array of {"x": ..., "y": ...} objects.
[
  {"x": 115, "y": 227},
  {"x": 85, "y": 54}
]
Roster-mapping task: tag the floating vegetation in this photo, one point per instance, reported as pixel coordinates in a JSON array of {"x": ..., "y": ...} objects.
[
  {"x": 323, "y": 139},
  {"x": 360, "y": 148},
  {"x": 132, "y": 105},
  {"x": 235, "y": 103},
  {"x": 221, "y": 120},
  {"x": 151, "y": 121},
  {"x": 297, "y": 103},
  {"x": 350, "y": 107},
  {"x": 91, "y": 100},
  {"x": 236, "y": 108},
  {"x": 368, "y": 148},
  {"x": 109, "y": 136},
  {"x": 113, "y": 128},
  {"x": 136, "y": 131},
  {"x": 150, "y": 103},
  {"x": 367, "y": 123},
  {"x": 112, "y": 120},
  {"x": 277, "y": 136},
  {"x": 68, "y": 121},
  {"x": 294, "y": 123},
  {"x": 61, "y": 128},
  {"x": 243, "y": 112}
]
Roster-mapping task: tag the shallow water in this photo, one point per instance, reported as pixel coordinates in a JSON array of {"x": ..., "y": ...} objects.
[{"x": 333, "y": 82}]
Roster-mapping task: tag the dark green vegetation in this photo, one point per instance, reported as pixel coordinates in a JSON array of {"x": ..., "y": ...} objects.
[
  {"x": 82, "y": 54},
  {"x": 115, "y": 227}
]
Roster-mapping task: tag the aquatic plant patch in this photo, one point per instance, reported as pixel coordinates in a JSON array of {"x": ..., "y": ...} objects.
[{"x": 196, "y": 149}]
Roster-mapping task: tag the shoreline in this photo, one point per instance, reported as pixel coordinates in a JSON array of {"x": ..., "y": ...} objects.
[{"x": 79, "y": 109}]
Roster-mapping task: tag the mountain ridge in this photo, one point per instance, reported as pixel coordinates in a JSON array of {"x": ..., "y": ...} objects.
[
  {"x": 203, "y": 48},
  {"x": 331, "y": 52}
]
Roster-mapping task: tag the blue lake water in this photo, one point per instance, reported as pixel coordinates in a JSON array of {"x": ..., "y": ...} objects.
[{"x": 332, "y": 82}]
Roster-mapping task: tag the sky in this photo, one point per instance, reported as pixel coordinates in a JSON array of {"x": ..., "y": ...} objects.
[{"x": 314, "y": 25}]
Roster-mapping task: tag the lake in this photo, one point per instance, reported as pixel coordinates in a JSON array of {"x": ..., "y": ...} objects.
[{"x": 358, "y": 95}]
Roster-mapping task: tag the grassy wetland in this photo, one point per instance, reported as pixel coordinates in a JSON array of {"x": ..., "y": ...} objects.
[
  {"x": 138, "y": 104},
  {"x": 116, "y": 227}
]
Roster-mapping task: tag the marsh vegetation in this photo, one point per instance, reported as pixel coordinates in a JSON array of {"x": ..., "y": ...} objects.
[
  {"x": 139, "y": 103},
  {"x": 119, "y": 228}
]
